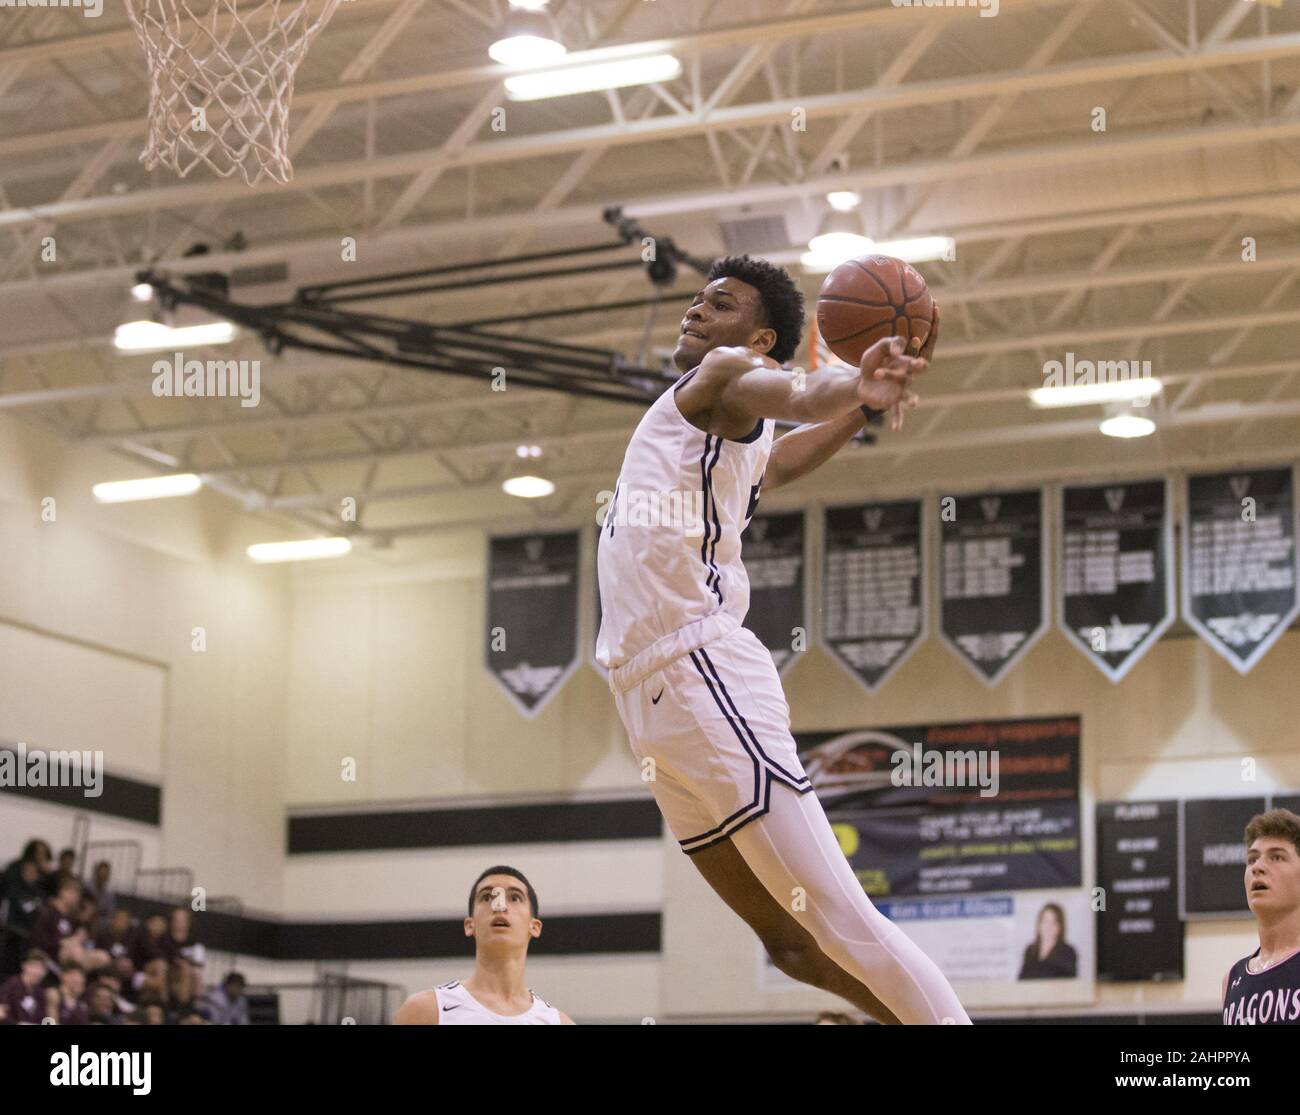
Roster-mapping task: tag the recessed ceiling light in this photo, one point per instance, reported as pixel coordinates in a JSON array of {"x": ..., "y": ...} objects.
[
  {"x": 527, "y": 487},
  {"x": 1127, "y": 425}
]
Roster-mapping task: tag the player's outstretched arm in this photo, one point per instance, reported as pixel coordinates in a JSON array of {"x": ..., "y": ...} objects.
[
  {"x": 421, "y": 1009},
  {"x": 735, "y": 387}
]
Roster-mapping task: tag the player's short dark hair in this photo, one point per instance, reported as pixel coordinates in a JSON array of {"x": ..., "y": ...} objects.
[
  {"x": 781, "y": 299},
  {"x": 500, "y": 869},
  {"x": 1280, "y": 823}
]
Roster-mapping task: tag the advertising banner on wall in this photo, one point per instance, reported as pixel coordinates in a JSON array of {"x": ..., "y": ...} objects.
[{"x": 963, "y": 808}]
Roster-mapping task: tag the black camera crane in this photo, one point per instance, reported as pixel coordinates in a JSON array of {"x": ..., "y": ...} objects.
[{"x": 315, "y": 322}]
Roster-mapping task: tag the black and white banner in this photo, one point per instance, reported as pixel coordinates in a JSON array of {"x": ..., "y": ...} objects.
[
  {"x": 1213, "y": 834},
  {"x": 532, "y": 615},
  {"x": 873, "y": 612},
  {"x": 1240, "y": 560},
  {"x": 992, "y": 578},
  {"x": 1115, "y": 581},
  {"x": 1139, "y": 933},
  {"x": 775, "y": 559}
]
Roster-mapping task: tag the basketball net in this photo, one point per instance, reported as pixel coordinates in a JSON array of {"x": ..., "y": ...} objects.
[{"x": 220, "y": 81}]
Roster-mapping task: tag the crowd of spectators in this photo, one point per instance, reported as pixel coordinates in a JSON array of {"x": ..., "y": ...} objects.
[{"x": 73, "y": 953}]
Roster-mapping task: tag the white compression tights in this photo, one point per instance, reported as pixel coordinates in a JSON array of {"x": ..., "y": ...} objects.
[{"x": 793, "y": 846}]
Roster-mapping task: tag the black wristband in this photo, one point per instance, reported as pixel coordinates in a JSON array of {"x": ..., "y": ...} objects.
[{"x": 874, "y": 417}]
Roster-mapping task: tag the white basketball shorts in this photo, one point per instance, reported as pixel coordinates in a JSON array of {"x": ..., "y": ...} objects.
[{"x": 716, "y": 724}]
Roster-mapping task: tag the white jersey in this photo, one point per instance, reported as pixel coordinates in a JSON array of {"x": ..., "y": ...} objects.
[
  {"x": 668, "y": 561},
  {"x": 457, "y": 1007}
]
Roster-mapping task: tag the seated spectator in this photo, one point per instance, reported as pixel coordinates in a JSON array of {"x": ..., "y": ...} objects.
[
  {"x": 149, "y": 942},
  {"x": 194, "y": 1018},
  {"x": 99, "y": 889},
  {"x": 226, "y": 1005},
  {"x": 67, "y": 868},
  {"x": 72, "y": 988},
  {"x": 151, "y": 1011},
  {"x": 88, "y": 916},
  {"x": 23, "y": 1001},
  {"x": 56, "y": 920},
  {"x": 150, "y": 981},
  {"x": 115, "y": 937},
  {"x": 26, "y": 895},
  {"x": 179, "y": 942},
  {"x": 38, "y": 851},
  {"x": 77, "y": 949},
  {"x": 183, "y": 989},
  {"x": 104, "y": 1009}
]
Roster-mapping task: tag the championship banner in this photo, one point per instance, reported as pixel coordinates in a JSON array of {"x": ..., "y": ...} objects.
[
  {"x": 873, "y": 612},
  {"x": 964, "y": 808},
  {"x": 992, "y": 578},
  {"x": 1214, "y": 854},
  {"x": 1140, "y": 932},
  {"x": 1240, "y": 561},
  {"x": 775, "y": 561},
  {"x": 532, "y": 615},
  {"x": 1115, "y": 584}
]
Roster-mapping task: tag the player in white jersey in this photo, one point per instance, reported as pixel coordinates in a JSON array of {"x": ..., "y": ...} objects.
[
  {"x": 698, "y": 693},
  {"x": 502, "y": 920}
]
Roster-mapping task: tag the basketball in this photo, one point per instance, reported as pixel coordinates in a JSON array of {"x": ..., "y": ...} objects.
[{"x": 866, "y": 299}]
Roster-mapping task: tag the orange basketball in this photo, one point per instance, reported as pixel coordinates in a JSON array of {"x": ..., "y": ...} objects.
[{"x": 866, "y": 299}]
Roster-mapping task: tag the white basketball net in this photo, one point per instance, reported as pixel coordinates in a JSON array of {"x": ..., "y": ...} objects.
[{"x": 220, "y": 81}]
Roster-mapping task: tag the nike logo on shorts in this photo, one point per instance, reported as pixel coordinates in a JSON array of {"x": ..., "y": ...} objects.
[{"x": 655, "y": 700}]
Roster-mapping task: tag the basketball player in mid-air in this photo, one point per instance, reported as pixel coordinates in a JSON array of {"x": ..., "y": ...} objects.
[
  {"x": 697, "y": 692},
  {"x": 502, "y": 920},
  {"x": 1263, "y": 989}
]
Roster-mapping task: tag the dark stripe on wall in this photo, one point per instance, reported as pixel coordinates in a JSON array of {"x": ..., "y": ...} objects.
[
  {"x": 628, "y": 819},
  {"x": 431, "y": 939},
  {"x": 122, "y": 797}
]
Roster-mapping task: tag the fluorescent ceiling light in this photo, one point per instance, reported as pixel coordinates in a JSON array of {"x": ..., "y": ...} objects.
[
  {"x": 149, "y": 487},
  {"x": 589, "y": 79},
  {"x": 308, "y": 549},
  {"x": 530, "y": 5},
  {"x": 1087, "y": 394},
  {"x": 527, "y": 487},
  {"x": 526, "y": 51},
  {"x": 844, "y": 200},
  {"x": 919, "y": 249},
  {"x": 153, "y": 336},
  {"x": 142, "y": 292},
  {"x": 1127, "y": 425}
]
